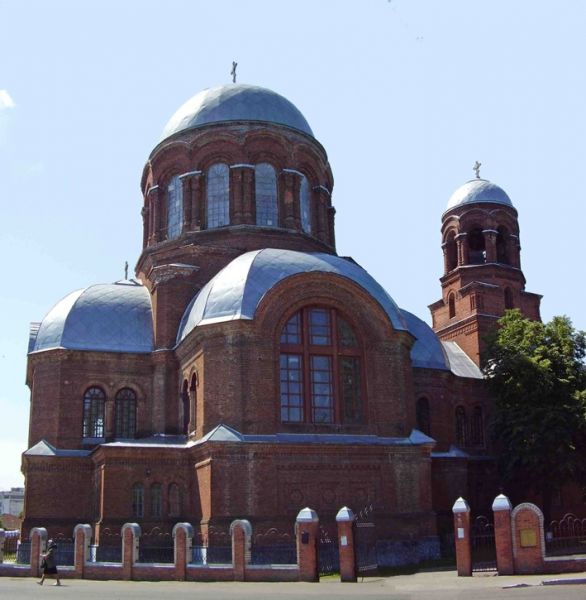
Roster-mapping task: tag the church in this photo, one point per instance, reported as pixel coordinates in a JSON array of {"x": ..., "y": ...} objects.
[{"x": 249, "y": 370}]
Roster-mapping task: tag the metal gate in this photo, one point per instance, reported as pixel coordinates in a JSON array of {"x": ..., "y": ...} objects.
[
  {"x": 483, "y": 547},
  {"x": 328, "y": 553},
  {"x": 365, "y": 542}
]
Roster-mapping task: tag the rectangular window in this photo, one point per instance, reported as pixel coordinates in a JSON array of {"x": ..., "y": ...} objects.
[
  {"x": 156, "y": 500},
  {"x": 320, "y": 330},
  {"x": 291, "y": 369},
  {"x": 138, "y": 501},
  {"x": 174, "y": 208},
  {"x": 93, "y": 418},
  {"x": 322, "y": 393},
  {"x": 350, "y": 388},
  {"x": 125, "y": 418}
]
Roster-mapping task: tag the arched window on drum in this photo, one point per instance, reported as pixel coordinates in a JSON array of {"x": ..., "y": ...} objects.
[{"x": 265, "y": 184}]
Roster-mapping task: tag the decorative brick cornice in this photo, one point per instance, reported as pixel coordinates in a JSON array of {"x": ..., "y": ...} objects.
[{"x": 164, "y": 273}]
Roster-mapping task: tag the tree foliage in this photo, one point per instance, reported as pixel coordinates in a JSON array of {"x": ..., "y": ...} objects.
[{"x": 537, "y": 374}]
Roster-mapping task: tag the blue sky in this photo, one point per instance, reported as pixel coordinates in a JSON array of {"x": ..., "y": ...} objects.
[{"x": 404, "y": 95}]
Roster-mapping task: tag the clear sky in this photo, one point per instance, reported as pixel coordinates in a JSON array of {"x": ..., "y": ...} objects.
[{"x": 404, "y": 95}]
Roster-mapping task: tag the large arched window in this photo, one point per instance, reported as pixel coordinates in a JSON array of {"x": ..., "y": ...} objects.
[
  {"x": 451, "y": 252},
  {"x": 476, "y": 247},
  {"x": 423, "y": 416},
  {"x": 94, "y": 400},
  {"x": 174, "y": 208},
  {"x": 125, "y": 413},
  {"x": 461, "y": 427},
  {"x": 265, "y": 184},
  {"x": 138, "y": 500},
  {"x": 320, "y": 369},
  {"x": 218, "y": 196},
  {"x": 502, "y": 253},
  {"x": 156, "y": 500},
  {"x": 305, "y": 205}
]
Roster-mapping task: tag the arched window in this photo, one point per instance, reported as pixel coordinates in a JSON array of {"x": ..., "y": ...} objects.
[
  {"x": 193, "y": 400},
  {"x": 476, "y": 247},
  {"x": 509, "y": 302},
  {"x": 94, "y": 400},
  {"x": 138, "y": 500},
  {"x": 502, "y": 254},
  {"x": 423, "y": 416},
  {"x": 174, "y": 208},
  {"x": 320, "y": 369},
  {"x": 461, "y": 427},
  {"x": 265, "y": 183},
  {"x": 175, "y": 500},
  {"x": 305, "y": 205},
  {"x": 452, "y": 305},
  {"x": 156, "y": 500},
  {"x": 477, "y": 433},
  {"x": 218, "y": 201},
  {"x": 125, "y": 413},
  {"x": 451, "y": 252}
]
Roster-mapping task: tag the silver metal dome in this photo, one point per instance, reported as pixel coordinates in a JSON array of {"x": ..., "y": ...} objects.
[
  {"x": 115, "y": 317},
  {"x": 236, "y": 102},
  {"x": 478, "y": 190},
  {"x": 236, "y": 291}
]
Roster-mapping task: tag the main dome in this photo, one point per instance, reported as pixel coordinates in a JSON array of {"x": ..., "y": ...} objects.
[
  {"x": 478, "y": 190},
  {"x": 236, "y": 102}
]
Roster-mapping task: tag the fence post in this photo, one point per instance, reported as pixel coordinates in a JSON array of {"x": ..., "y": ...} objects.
[
  {"x": 182, "y": 540},
  {"x": 2, "y": 538},
  {"x": 307, "y": 529},
  {"x": 528, "y": 539},
  {"x": 130, "y": 542},
  {"x": 38, "y": 538},
  {"x": 241, "y": 534},
  {"x": 345, "y": 521},
  {"x": 462, "y": 532},
  {"x": 82, "y": 535},
  {"x": 503, "y": 539}
]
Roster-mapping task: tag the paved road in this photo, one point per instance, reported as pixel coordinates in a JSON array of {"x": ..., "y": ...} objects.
[{"x": 422, "y": 586}]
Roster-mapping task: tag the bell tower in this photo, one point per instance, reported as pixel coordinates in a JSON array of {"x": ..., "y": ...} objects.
[{"x": 482, "y": 266}]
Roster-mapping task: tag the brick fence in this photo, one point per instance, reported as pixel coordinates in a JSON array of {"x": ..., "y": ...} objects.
[{"x": 182, "y": 568}]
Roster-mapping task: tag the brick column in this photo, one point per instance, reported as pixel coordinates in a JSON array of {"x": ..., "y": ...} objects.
[
  {"x": 528, "y": 539},
  {"x": 307, "y": 531},
  {"x": 182, "y": 540},
  {"x": 2, "y": 538},
  {"x": 242, "y": 192},
  {"x": 38, "y": 538},
  {"x": 83, "y": 536},
  {"x": 462, "y": 248},
  {"x": 241, "y": 533},
  {"x": 290, "y": 201},
  {"x": 345, "y": 521},
  {"x": 323, "y": 200},
  {"x": 461, "y": 512},
  {"x": 503, "y": 539},
  {"x": 130, "y": 542}
]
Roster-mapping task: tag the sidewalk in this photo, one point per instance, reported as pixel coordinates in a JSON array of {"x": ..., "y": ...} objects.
[{"x": 443, "y": 585}]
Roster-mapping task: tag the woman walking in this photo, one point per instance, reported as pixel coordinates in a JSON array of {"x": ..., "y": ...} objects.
[{"x": 49, "y": 564}]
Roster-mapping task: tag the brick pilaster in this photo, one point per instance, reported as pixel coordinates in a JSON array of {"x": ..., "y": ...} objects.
[
  {"x": 130, "y": 542},
  {"x": 241, "y": 533},
  {"x": 503, "y": 539},
  {"x": 345, "y": 521},
  {"x": 182, "y": 541},
  {"x": 38, "y": 539},
  {"x": 307, "y": 531},
  {"x": 462, "y": 532},
  {"x": 83, "y": 536}
]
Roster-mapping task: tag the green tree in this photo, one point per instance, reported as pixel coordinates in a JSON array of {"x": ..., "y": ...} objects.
[{"x": 537, "y": 374}]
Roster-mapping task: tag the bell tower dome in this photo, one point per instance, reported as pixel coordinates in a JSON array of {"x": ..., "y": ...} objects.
[{"x": 482, "y": 266}]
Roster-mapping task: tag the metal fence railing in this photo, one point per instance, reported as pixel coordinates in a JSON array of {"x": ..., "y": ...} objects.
[{"x": 566, "y": 536}]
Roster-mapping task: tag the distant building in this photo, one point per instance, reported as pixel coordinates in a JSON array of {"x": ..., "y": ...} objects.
[
  {"x": 12, "y": 501},
  {"x": 250, "y": 371}
]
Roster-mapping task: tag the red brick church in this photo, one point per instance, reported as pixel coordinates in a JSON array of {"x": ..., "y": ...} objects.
[{"x": 249, "y": 371}]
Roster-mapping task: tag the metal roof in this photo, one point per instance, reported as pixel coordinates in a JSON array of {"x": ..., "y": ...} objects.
[
  {"x": 427, "y": 352},
  {"x": 460, "y": 363},
  {"x": 236, "y": 291},
  {"x": 478, "y": 190},
  {"x": 236, "y": 102},
  {"x": 110, "y": 317}
]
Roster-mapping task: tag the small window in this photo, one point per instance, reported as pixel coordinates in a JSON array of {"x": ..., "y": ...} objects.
[
  {"x": 174, "y": 208},
  {"x": 218, "y": 200},
  {"x": 125, "y": 413},
  {"x": 156, "y": 500},
  {"x": 265, "y": 182},
  {"x": 423, "y": 416},
  {"x": 452, "y": 305},
  {"x": 175, "y": 500},
  {"x": 451, "y": 252},
  {"x": 461, "y": 427},
  {"x": 138, "y": 501},
  {"x": 94, "y": 401},
  {"x": 305, "y": 205},
  {"x": 477, "y": 432}
]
